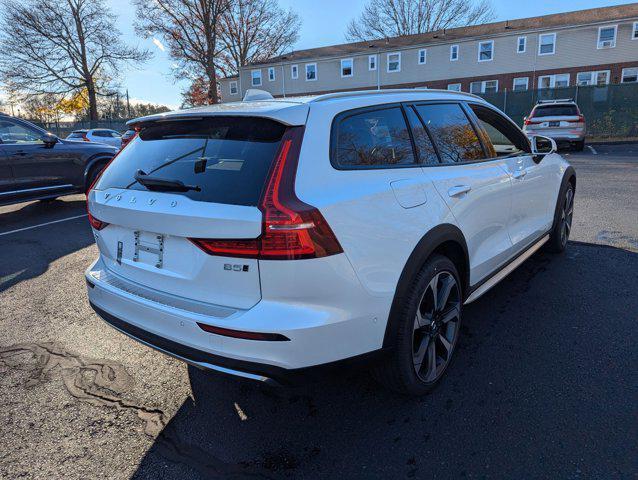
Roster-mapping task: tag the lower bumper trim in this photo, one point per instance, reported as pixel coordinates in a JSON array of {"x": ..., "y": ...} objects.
[{"x": 250, "y": 370}]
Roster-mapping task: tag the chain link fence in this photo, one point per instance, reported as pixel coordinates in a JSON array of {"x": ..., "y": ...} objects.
[{"x": 611, "y": 111}]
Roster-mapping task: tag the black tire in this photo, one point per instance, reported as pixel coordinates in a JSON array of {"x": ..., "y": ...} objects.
[
  {"x": 93, "y": 173},
  {"x": 579, "y": 146},
  {"x": 563, "y": 220},
  {"x": 400, "y": 370}
]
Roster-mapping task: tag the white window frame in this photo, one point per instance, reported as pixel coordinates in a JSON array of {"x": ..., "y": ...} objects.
[
  {"x": 520, "y": 78},
  {"x": 623, "y": 75},
  {"x": 552, "y": 79},
  {"x": 373, "y": 60},
  {"x": 423, "y": 51},
  {"x": 593, "y": 77},
  {"x": 634, "y": 31},
  {"x": 351, "y": 60},
  {"x": 599, "y": 45},
  {"x": 252, "y": 78},
  {"x": 230, "y": 88},
  {"x": 294, "y": 72},
  {"x": 271, "y": 74},
  {"x": 483, "y": 83},
  {"x": 456, "y": 87},
  {"x": 518, "y": 44},
  {"x": 452, "y": 58},
  {"x": 491, "y": 42},
  {"x": 388, "y": 55},
  {"x": 540, "y": 36},
  {"x": 306, "y": 66}
]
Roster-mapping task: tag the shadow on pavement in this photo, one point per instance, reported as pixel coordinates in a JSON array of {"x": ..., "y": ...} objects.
[
  {"x": 28, "y": 254},
  {"x": 544, "y": 381}
]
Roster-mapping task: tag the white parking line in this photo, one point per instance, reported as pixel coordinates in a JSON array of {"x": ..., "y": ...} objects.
[
  {"x": 593, "y": 150},
  {"x": 41, "y": 225}
]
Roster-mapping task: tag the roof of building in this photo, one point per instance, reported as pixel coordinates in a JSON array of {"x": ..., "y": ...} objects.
[{"x": 579, "y": 17}]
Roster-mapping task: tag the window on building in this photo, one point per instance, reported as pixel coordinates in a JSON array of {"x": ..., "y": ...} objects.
[
  {"x": 233, "y": 88},
  {"x": 454, "y": 53},
  {"x": 521, "y": 46},
  {"x": 607, "y": 36},
  {"x": 634, "y": 32},
  {"x": 547, "y": 44},
  {"x": 271, "y": 74},
  {"x": 629, "y": 75},
  {"x": 486, "y": 86},
  {"x": 255, "y": 78},
  {"x": 372, "y": 139},
  {"x": 485, "y": 51},
  {"x": 593, "y": 78},
  {"x": 294, "y": 72},
  {"x": 347, "y": 68},
  {"x": 422, "y": 56},
  {"x": 394, "y": 62},
  {"x": 560, "y": 80},
  {"x": 452, "y": 132},
  {"x": 520, "y": 84},
  {"x": 311, "y": 72},
  {"x": 372, "y": 62},
  {"x": 454, "y": 87}
]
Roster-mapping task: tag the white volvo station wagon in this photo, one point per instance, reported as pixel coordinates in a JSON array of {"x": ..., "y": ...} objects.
[{"x": 278, "y": 239}]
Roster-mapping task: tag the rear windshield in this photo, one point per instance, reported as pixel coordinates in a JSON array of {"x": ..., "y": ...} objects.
[
  {"x": 555, "y": 110},
  {"x": 228, "y": 158},
  {"x": 77, "y": 134}
]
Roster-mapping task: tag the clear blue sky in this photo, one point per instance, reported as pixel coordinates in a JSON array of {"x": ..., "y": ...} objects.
[{"x": 324, "y": 23}]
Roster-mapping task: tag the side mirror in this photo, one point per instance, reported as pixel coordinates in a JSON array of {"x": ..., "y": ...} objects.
[
  {"x": 49, "y": 140},
  {"x": 542, "y": 146}
]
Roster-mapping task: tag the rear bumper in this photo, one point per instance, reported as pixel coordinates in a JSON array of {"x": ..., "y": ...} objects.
[
  {"x": 268, "y": 374},
  {"x": 560, "y": 136},
  {"x": 323, "y": 338}
]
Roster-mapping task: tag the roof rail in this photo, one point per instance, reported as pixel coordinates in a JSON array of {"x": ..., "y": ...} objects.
[
  {"x": 556, "y": 100},
  {"x": 388, "y": 91}
]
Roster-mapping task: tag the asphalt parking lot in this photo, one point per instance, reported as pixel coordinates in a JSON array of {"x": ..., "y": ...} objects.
[{"x": 544, "y": 384}]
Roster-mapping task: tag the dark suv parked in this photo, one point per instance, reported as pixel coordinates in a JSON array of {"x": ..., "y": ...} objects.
[{"x": 37, "y": 165}]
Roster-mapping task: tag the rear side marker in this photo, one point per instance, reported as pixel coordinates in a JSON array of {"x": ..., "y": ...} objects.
[{"x": 227, "y": 332}]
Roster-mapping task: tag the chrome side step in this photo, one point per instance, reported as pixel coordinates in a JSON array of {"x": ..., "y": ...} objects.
[{"x": 506, "y": 271}]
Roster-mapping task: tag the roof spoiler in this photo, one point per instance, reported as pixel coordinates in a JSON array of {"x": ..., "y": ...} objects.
[
  {"x": 556, "y": 100},
  {"x": 254, "y": 94}
]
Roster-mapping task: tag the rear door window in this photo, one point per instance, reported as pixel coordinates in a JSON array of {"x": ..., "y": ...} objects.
[
  {"x": 452, "y": 132},
  {"x": 228, "y": 158},
  {"x": 372, "y": 138},
  {"x": 555, "y": 111}
]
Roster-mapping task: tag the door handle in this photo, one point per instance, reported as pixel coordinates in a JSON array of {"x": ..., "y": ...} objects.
[
  {"x": 458, "y": 190},
  {"x": 519, "y": 173}
]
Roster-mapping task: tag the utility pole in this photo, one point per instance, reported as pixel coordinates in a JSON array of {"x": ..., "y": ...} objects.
[{"x": 128, "y": 105}]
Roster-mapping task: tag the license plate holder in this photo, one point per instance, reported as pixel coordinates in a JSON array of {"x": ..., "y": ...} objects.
[
  {"x": 143, "y": 244},
  {"x": 554, "y": 124}
]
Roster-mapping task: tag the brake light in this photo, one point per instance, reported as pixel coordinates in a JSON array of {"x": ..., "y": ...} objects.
[
  {"x": 292, "y": 229},
  {"x": 529, "y": 121},
  {"x": 85, "y": 138},
  {"x": 95, "y": 223},
  {"x": 581, "y": 118}
]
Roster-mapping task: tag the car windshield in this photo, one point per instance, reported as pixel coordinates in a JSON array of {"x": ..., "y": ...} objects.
[
  {"x": 227, "y": 158},
  {"x": 555, "y": 110}
]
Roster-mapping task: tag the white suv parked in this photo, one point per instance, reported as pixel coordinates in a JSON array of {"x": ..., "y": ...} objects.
[{"x": 274, "y": 239}]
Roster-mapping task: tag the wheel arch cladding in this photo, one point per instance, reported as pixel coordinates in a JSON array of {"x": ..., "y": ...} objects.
[
  {"x": 445, "y": 239},
  {"x": 568, "y": 177}
]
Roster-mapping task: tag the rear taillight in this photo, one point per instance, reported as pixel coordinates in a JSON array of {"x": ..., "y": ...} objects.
[
  {"x": 85, "y": 138},
  {"x": 292, "y": 229},
  {"x": 581, "y": 118},
  {"x": 95, "y": 223},
  {"x": 529, "y": 121}
]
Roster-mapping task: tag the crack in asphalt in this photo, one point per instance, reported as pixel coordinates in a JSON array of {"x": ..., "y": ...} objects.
[{"x": 100, "y": 383}]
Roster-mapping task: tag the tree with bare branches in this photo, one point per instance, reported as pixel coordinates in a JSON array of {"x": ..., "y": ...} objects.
[
  {"x": 254, "y": 30},
  {"x": 191, "y": 30},
  {"x": 61, "y": 47},
  {"x": 393, "y": 18}
]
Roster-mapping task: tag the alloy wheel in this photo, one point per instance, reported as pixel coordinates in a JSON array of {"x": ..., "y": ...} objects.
[
  {"x": 567, "y": 214},
  {"x": 436, "y": 327}
]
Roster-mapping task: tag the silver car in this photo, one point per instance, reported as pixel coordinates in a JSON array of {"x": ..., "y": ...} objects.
[{"x": 559, "y": 119}]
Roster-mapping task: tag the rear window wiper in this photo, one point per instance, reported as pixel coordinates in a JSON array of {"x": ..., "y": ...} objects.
[{"x": 163, "y": 184}]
